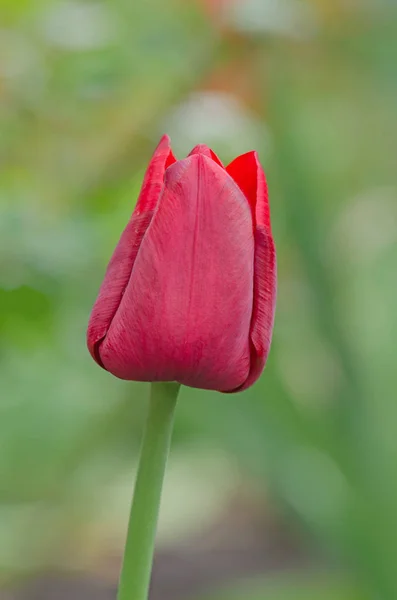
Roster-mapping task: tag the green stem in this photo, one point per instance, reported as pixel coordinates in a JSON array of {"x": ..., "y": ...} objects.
[{"x": 138, "y": 554}]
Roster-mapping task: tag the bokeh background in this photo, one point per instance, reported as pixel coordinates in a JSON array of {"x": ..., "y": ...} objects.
[{"x": 287, "y": 491}]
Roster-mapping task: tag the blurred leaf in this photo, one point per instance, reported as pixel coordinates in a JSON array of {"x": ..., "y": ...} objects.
[{"x": 313, "y": 586}]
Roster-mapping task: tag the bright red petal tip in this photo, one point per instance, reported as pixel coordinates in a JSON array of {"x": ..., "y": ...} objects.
[
  {"x": 152, "y": 184},
  {"x": 247, "y": 172}
]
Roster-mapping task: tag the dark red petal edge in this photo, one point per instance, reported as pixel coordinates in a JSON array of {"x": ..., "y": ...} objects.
[
  {"x": 122, "y": 261},
  {"x": 264, "y": 305}
]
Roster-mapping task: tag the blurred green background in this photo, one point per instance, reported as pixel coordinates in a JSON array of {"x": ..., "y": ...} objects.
[{"x": 289, "y": 490}]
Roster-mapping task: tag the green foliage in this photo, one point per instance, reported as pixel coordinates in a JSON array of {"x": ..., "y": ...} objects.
[
  {"x": 290, "y": 587},
  {"x": 86, "y": 89}
]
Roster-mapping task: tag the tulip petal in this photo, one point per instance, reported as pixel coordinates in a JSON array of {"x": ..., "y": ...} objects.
[
  {"x": 187, "y": 308},
  {"x": 203, "y": 149},
  {"x": 120, "y": 266},
  {"x": 247, "y": 172},
  {"x": 264, "y": 305}
]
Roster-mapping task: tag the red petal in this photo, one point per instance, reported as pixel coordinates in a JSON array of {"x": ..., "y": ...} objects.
[
  {"x": 186, "y": 311},
  {"x": 247, "y": 172},
  {"x": 264, "y": 305},
  {"x": 152, "y": 184},
  {"x": 123, "y": 259},
  {"x": 203, "y": 149}
]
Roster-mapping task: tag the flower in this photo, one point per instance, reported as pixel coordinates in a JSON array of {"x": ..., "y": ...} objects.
[{"x": 189, "y": 293}]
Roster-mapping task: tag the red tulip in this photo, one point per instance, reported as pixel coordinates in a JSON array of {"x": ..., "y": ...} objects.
[{"x": 189, "y": 294}]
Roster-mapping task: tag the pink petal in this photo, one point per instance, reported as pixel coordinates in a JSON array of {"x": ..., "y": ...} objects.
[
  {"x": 247, "y": 172},
  {"x": 186, "y": 311},
  {"x": 120, "y": 266},
  {"x": 203, "y": 149}
]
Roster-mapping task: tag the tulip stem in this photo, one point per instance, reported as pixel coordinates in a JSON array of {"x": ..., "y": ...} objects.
[{"x": 139, "y": 548}]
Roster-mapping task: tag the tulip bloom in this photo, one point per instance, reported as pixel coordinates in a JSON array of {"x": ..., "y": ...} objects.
[{"x": 189, "y": 293}]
